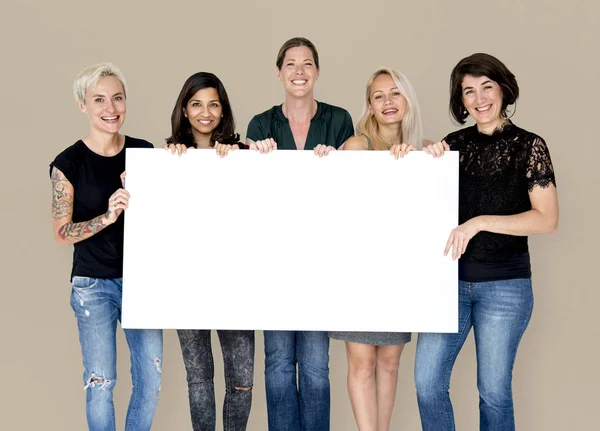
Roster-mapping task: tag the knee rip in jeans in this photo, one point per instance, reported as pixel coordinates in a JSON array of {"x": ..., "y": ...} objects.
[
  {"x": 244, "y": 389},
  {"x": 158, "y": 364},
  {"x": 93, "y": 381}
]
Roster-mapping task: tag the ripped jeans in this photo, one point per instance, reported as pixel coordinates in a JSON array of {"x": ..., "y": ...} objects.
[
  {"x": 97, "y": 306},
  {"x": 238, "y": 362}
]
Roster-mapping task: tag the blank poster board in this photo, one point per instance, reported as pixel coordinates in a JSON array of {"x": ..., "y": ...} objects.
[{"x": 352, "y": 241}]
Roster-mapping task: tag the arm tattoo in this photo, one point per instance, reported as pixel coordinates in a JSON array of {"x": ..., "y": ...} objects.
[
  {"x": 62, "y": 206},
  {"x": 75, "y": 232},
  {"x": 62, "y": 202}
]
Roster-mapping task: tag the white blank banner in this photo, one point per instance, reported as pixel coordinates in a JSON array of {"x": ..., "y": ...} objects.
[{"x": 352, "y": 241}]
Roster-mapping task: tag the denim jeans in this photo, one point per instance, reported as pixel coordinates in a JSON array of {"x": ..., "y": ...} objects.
[
  {"x": 499, "y": 312},
  {"x": 238, "y": 361},
  {"x": 97, "y": 306},
  {"x": 303, "y": 405}
]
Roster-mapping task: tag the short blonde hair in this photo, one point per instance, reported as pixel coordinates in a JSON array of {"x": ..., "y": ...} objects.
[
  {"x": 90, "y": 76},
  {"x": 411, "y": 131}
]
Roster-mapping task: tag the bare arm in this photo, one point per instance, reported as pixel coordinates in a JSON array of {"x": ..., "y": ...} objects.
[
  {"x": 540, "y": 219},
  {"x": 65, "y": 231}
]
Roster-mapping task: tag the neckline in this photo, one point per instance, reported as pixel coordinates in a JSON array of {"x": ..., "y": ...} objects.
[
  {"x": 279, "y": 112},
  {"x": 498, "y": 131},
  {"x": 88, "y": 149}
]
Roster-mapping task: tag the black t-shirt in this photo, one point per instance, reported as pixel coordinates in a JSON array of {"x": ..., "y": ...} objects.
[
  {"x": 331, "y": 125},
  {"x": 496, "y": 174},
  {"x": 94, "y": 179}
]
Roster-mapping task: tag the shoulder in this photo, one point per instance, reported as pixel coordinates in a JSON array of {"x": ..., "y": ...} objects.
[
  {"x": 334, "y": 111},
  {"x": 131, "y": 142},
  {"x": 262, "y": 125},
  {"x": 454, "y": 139},
  {"x": 527, "y": 136},
  {"x": 459, "y": 134},
  {"x": 69, "y": 159},
  {"x": 357, "y": 143},
  {"x": 71, "y": 153},
  {"x": 267, "y": 115}
]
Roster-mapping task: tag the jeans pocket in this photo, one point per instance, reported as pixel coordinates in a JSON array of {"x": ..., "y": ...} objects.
[{"x": 83, "y": 283}]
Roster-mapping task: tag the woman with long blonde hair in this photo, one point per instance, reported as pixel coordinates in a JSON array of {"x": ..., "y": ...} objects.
[{"x": 392, "y": 122}]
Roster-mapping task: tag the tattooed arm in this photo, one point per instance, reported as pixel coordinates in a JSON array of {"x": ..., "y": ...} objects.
[{"x": 67, "y": 232}]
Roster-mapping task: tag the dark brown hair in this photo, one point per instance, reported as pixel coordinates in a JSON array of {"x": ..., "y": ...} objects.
[
  {"x": 293, "y": 43},
  {"x": 181, "y": 130},
  {"x": 477, "y": 65}
]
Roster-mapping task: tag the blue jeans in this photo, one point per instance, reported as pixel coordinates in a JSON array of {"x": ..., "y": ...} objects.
[
  {"x": 97, "y": 306},
  {"x": 499, "y": 312},
  {"x": 303, "y": 405}
]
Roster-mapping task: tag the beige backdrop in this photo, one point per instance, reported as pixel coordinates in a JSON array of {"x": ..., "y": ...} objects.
[{"x": 551, "y": 46}]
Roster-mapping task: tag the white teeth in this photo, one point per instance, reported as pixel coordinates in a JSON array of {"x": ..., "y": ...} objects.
[
  {"x": 483, "y": 109},
  {"x": 207, "y": 122},
  {"x": 299, "y": 81},
  {"x": 109, "y": 118},
  {"x": 388, "y": 111}
]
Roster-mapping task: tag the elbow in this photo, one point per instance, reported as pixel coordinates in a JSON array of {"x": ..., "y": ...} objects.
[
  {"x": 552, "y": 225},
  {"x": 59, "y": 237},
  {"x": 60, "y": 240}
]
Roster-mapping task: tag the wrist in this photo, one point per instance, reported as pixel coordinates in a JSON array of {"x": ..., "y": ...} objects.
[
  {"x": 481, "y": 223},
  {"x": 105, "y": 220}
]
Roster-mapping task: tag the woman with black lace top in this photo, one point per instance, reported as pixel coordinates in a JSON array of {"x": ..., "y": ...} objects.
[{"x": 507, "y": 192}]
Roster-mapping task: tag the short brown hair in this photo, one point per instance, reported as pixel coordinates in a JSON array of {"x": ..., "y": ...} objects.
[
  {"x": 481, "y": 64},
  {"x": 293, "y": 43}
]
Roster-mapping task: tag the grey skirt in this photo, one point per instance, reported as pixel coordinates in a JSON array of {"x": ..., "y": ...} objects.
[{"x": 374, "y": 338}]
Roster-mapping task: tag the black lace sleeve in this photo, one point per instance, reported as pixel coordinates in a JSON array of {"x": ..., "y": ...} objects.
[{"x": 539, "y": 169}]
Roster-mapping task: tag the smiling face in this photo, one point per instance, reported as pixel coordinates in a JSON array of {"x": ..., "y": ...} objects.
[
  {"x": 105, "y": 105},
  {"x": 482, "y": 98},
  {"x": 386, "y": 103},
  {"x": 204, "y": 111},
  {"x": 298, "y": 71}
]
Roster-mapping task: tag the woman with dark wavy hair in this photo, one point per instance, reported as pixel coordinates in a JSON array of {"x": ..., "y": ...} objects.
[
  {"x": 507, "y": 192},
  {"x": 202, "y": 118}
]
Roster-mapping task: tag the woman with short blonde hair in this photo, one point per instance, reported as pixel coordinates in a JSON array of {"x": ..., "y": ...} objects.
[{"x": 87, "y": 202}]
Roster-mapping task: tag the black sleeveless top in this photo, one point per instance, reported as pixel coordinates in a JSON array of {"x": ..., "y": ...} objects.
[
  {"x": 94, "y": 179},
  {"x": 496, "y": 174}
]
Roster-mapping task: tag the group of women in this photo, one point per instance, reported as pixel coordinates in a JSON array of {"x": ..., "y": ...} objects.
[{"x": 507, "y": 192}]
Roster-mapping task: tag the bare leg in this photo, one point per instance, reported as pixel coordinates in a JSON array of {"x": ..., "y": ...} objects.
[
  {"x": 362, "y": 385},
  {"x": 386, "y": 376}
]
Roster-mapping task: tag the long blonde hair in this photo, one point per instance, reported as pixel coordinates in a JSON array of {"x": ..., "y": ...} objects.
[{"x": 411, "y": 129}]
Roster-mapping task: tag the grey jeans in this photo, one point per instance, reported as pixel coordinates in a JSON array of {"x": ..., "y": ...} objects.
[{"x": 238, "y": 358}]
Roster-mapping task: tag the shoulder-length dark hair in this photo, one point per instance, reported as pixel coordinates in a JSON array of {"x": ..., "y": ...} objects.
[
  {"x": 181, "y": 129},
  {"x": 481, "y": 64},
  {"x": 293, "y": 43}
]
